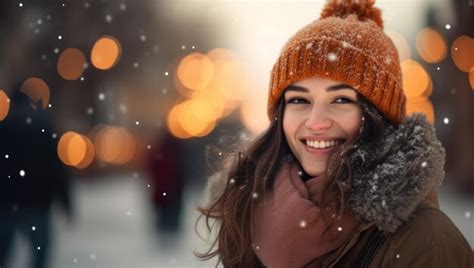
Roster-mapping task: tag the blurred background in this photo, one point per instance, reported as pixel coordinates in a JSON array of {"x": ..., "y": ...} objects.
[{"x": 113, "y": 114}]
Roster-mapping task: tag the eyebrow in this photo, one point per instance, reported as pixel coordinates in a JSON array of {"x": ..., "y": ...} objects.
[{"x": 330, "y": 88}]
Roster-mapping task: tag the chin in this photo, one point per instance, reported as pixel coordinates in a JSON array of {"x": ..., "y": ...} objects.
[{"x": 313, "y": 171}]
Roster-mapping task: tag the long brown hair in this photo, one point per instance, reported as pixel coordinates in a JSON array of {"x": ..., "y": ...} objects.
[{"x": 253, "y": 171}]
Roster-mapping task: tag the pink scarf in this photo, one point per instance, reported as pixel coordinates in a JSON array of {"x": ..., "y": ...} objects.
[{"x": 283, "y": 232}]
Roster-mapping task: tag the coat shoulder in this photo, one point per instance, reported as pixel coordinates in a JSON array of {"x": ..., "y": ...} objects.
[{"x": 428, "y": 238}]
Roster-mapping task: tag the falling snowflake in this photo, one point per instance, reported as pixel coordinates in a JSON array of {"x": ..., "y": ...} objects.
[
  {"x": 123, "y": 108},
  {"x": 332, "y": 57},
  {"x": 108, "y": 18},
  {"x": 468, "y": 214},
  {"x": 303, "y": 224},
  {"x": 137, "y": 123},
  {"x": 101, "y": 96},
  {"x": 255, "y": 195},
  {"x": 339, "y": 229},
  {"x": 7, "y": 156},
  {"x": 423, "y": 164},
  {"x": 60, "y": 37},
  {"x": 446, "y": 120},
  {"x": 123, "y": 6},
  {"x": 20, "y": 4},
  {"x": 448, "y": 26},
  {"x": 33, "y": 228},
  {"x": 22, "y": 173},
  {"x": 398, "y": 256}
]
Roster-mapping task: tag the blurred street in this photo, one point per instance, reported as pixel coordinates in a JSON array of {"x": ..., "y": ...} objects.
[{"x": 114, "y": 228}]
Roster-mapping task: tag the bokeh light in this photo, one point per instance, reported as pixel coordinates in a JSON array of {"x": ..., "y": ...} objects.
[
  {"x": 191, "y": 123},
  {"x": 4, "y": 105},
  {"x": 195, "y": 71},
  {"x": 431, "y": 45},
  {"x": 106, "y": 52},
  {"x": 71, "y": 64},
  {"x": 72, "y": 148},
  {"x": 174, "y": 125},
  {"x": 416, "y": 81},
  {"x": 462, "y": 52},
  {"x": 89, "y": 156},
  {"x": 114, "y": 145},
  {"x": 421, "y": 105},
  {"x": 471, "y": 77},
  {"x": 37, "y": 90}
]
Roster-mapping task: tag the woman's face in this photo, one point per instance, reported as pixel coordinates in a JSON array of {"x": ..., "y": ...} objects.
[{"x": 319, "y": 115}]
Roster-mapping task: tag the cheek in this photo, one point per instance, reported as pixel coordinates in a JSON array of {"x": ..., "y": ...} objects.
[{"x": 351, "y": 123}]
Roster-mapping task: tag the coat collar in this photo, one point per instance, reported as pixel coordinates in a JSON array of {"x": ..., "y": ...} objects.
[{"x": 392, "y": 176}]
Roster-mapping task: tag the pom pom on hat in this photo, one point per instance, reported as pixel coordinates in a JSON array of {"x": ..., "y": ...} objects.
[{"x": 363, "y": 9}]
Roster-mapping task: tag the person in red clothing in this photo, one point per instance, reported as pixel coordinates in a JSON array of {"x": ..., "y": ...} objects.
[{"x": 167, "y": 174}]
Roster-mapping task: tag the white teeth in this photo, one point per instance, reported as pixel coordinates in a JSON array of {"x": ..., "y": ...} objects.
[{"x": 322, "y": 144}]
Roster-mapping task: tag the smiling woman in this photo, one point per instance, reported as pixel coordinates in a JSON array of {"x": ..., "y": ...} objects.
[
  {"x": 342, "y": 177},
  {"x": 320, "y": 115}
]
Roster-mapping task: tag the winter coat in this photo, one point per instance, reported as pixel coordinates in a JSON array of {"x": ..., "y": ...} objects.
[
  {"x": 430, "y": 239},
  {"x": 393, "y": 194}
]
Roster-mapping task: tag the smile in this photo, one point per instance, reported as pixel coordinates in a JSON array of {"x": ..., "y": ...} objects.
[{"x": 322, "y": 144}]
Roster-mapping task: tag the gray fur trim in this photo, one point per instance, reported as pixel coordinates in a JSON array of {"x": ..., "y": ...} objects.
[{"x": 392, "y": 176}]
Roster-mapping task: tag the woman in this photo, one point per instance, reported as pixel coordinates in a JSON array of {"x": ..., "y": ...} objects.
[{"x": 341, "y": 178}]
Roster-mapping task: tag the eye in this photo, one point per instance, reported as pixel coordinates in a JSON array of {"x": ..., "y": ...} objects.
[
  {"x": 343, "y": 100},
  {"x": 296, "y": 101}
]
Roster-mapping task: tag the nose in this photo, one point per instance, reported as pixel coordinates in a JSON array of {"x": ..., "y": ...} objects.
[{"x": 318, "y": 119}]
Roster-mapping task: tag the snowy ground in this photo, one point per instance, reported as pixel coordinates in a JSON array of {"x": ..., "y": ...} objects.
[{"x": 114, "y": 229}]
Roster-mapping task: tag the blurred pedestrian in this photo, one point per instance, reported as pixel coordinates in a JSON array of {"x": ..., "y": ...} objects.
[
  {"x": 167, "y": 172},
  {"x": 31, "y": 180}
]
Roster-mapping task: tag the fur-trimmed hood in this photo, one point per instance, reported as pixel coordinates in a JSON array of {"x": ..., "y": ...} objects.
[{"x": 392, "y": 176}]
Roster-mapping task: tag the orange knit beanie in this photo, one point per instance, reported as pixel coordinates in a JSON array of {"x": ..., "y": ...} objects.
[{"x": 346, "y": 44}]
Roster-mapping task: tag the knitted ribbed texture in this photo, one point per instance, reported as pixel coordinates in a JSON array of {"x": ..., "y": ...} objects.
[{"x": 344, "y": 49}]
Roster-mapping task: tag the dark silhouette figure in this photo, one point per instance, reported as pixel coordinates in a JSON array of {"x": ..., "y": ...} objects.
[
  {"x": 167, "y": 173},
  {"x": 31, "y": 178}
]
